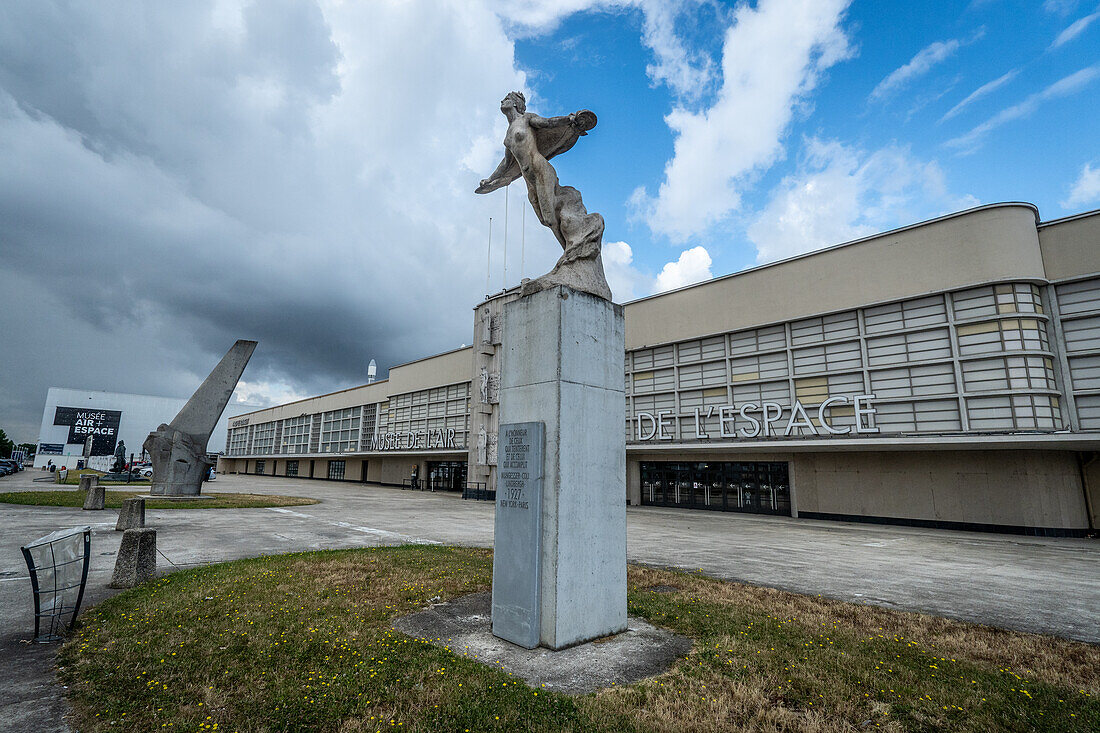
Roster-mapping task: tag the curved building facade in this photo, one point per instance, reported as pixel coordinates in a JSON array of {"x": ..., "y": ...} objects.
[{"x": 942, "y": 374}]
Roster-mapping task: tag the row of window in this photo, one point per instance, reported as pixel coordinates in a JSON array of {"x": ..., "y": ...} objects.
[
  {"x": 343, "y": 430},
  {"x": 1017, "y": 334},
  {"x": 986, "y": 302}
]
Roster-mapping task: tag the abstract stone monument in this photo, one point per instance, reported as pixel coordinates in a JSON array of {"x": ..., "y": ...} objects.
[
  {"x": 178, "y": 450},
  {"x": 559, "y": 559}
]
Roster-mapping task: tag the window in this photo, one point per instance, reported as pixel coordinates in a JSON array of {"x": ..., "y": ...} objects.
[
  {"x": 263, "y": 440},
  {"x": 340, "y": 430},
  {"x": 296, "y": 435},
  {"x": 336, "y": 470},
  {"x": 292, "y": 468},
  {"x": 260, "y": 465},
  {"x": 238, "y": 441}
]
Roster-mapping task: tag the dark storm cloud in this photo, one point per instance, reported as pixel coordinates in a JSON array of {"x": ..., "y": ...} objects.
[{"x": 177, "y": 176}]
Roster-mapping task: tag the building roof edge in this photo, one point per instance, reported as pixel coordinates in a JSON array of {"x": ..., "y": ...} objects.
[{"x": 890, "y": 232}]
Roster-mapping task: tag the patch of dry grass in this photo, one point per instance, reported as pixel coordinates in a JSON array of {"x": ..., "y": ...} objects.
[
  {"x": 303, "y": 642},
  {"x": 114, "y": 499}
]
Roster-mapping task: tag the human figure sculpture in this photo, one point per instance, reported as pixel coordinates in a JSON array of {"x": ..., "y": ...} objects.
[
  {"x": 530, "y": 142},
  {"x": 486, "y": 326},
  {"x": 482, "y": 445},
  {"x": 484, "y": 379}
]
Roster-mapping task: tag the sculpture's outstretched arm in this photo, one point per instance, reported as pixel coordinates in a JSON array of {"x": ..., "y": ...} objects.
[{"x": 487, "y": 183}]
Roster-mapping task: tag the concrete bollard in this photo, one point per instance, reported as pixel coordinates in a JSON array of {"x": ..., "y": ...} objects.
[
  {"x": 96, "y": 497},
  {"x": 132, "y": 514},
  {"x": 137, "y": 558},
  {"x": 88, "y": 480}
]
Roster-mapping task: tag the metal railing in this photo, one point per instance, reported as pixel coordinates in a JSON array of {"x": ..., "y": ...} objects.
[{"x": 477, "y": 490}]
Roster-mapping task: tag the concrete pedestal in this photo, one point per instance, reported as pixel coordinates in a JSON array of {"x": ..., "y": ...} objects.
[
  {"x": 136, "y": 562},
  {"x": 96, "y": 498},
  {"x": 132, "y": 514},
  {"x": 562, "y": 365}
]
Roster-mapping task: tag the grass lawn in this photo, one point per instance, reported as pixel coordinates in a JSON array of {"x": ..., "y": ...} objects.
[
  {"x": 302, "y": 643},
  {"x": 75, "y": 498},
  {"x": 72, "y": 478}
]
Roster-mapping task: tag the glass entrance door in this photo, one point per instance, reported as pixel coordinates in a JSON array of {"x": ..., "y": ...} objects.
[
  {"x": 447, "y": 475},
  {"x": 753, "y": 487}
]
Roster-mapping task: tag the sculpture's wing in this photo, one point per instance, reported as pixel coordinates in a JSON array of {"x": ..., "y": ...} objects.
[{"x": 551, "y": 141}]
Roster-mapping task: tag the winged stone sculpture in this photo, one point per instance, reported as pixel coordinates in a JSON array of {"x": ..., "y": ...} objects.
[{"x": 529, "y": 144}]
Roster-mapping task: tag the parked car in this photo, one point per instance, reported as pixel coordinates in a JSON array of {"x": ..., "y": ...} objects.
[
  {"x": 6, "y": 470},
  {"x": 11, "y": 463},
  {"x": 145, "y": 471}
]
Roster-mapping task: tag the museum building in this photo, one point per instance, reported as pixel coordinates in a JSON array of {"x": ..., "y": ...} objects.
[{"x": 943, "y": 374}]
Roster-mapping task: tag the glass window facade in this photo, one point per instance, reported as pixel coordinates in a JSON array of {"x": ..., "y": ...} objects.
[
  {"x": 336, "y": 470},
  {"x": 296, "y": 435},
  {"x": 238, "y": 441},
  {"x": 974, "y": 360},
  {"x": 292, "y": 468},
  {"x": 441, "y": 408},
  {"x": 263, "y": 438},
  {"x": 340, "y": 430},
  {"x": 753, "y": 487}
]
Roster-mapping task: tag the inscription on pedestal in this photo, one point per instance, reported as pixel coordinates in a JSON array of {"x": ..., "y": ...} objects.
[{"x": 516, "y": 572}]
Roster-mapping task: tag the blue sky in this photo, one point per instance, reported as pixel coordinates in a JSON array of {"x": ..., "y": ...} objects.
[
  {"x": 932, "y": 107},
  {"x": 301, "y": 172}
]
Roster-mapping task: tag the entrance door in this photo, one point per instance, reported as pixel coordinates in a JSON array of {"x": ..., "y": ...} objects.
[
  {"x": 756, "y": 487},
  {"x": 447, "y": 475},
  {"x": 363, "y": 478}
]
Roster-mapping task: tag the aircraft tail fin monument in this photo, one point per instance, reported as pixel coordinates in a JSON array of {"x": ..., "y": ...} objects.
[{"x": 178, "y": 450}]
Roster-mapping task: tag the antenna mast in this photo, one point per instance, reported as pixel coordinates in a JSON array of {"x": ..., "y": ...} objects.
[
  {"x": 489, "y": 257},
  {"x": 504, "y": 285}
]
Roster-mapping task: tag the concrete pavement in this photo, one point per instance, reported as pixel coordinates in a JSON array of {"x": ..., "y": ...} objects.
[{"x": 1043, "y": 585}]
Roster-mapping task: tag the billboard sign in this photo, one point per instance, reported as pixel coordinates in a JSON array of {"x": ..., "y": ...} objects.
[{"x": 100, "y": 425}]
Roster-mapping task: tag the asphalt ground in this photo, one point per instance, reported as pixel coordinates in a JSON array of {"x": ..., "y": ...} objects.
[{"x": 1042, "y": 585}]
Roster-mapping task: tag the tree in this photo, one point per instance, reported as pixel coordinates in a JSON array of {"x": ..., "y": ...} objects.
[
  {"x": 120, "y": 458},
  {"x": 6, "y": 445}
]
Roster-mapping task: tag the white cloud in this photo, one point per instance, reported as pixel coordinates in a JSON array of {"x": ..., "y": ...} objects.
[
  {"x": 1061, "y": 7},
  {"x": 1061, "y": 88},
  {"x": 773, "y": 57},
  {"x": 626, "y": 281},
  {"x": 260, "y": 394},
  {"x": 687, "y": 73},
  {"x": 982, "y": 91},
  {"x": 841, "y": 193},
  {"x": 1086, "y": 190},
  {"x": 1075, "y": 29},
  {"x": 693, "y": 266},
  {"x": 920, "y": 64}
]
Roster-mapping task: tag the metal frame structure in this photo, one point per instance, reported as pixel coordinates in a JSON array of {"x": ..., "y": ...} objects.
[{"x": 57, "y": 608}]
